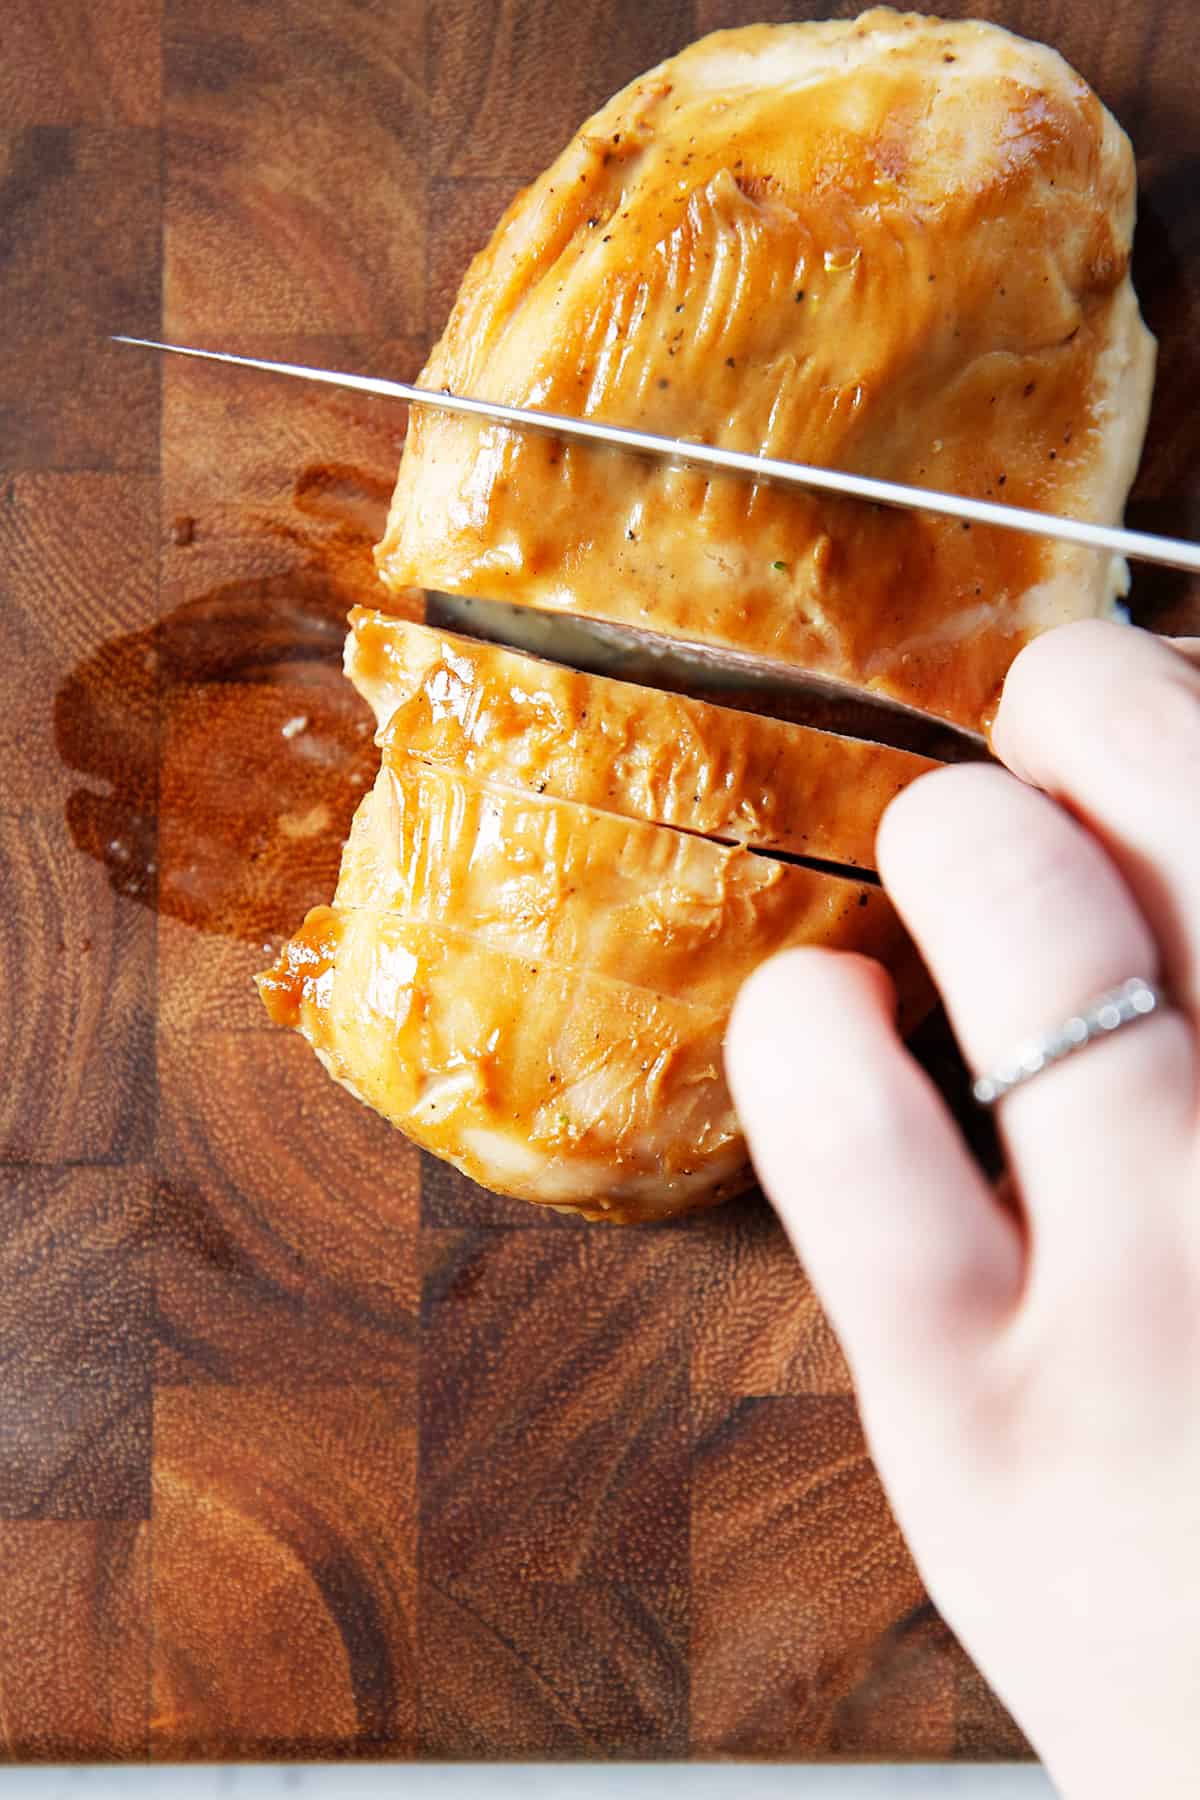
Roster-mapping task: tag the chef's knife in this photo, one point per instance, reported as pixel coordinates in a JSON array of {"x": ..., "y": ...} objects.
[{"x": 1172, "y": 553}]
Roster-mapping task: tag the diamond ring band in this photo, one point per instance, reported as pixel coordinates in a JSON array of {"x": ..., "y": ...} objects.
[{"x": 1108, "y": 1013}]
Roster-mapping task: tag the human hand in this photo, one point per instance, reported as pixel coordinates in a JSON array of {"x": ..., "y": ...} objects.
[{"x": 1029, "y": 1376}]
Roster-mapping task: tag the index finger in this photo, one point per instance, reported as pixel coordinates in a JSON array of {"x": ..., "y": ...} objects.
[{"x": 1106, "y": 719}]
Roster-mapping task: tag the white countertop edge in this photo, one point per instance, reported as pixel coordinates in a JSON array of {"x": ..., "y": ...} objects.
[{"x": 532, "y": 1781}]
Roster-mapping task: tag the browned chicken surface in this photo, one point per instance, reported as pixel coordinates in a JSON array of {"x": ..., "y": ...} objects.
[
  {"x": 531, "y": 976},
  {"x": 459, "y": 704},
  {"x": 552, "y": 882},
  {"x": 544, "y": 1082},
  {"x": 896, "y": 245}
]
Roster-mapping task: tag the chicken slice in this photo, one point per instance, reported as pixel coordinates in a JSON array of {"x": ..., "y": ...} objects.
[
  {"x": 550, "y": 881},
  {"x": 538, "y": 991},
  {"x": 547, "y": 1083},
  {"x": 897, "y": 245},
  {"x": 513, "y": 721}
]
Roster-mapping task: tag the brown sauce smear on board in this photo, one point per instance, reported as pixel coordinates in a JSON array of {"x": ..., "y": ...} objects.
[{"x": 222, "y": 751}]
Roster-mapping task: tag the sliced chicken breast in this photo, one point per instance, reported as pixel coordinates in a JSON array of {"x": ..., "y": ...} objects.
[
  {"x": 550, "y": 881},
  {"x": 897, "y": 245},
  {"x": 538, "y": 991},
  {"x": 513, "y": 721},
  {"x": 543, "y": 1082}
]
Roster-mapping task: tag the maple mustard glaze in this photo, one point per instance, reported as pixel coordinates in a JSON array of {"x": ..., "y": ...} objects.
[
  {"x": 524, "y": 968},
  {"x": 898, "y": 247},
  {"x": 296, "y": 975},
  {"x": 474, "y": 708}
]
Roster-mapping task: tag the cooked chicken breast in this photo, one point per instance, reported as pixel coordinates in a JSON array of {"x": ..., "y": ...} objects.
[
  {"x": 537, "y": 990},
  {"x": 552, "y": 882},
  {"x": 539, "y": 1081},
  {"x": 897, "y": 245},
  {"x": 516, "y": 722}
]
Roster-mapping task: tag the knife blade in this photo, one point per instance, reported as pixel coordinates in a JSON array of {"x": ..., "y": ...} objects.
[{"x": 1139, "y": 546}]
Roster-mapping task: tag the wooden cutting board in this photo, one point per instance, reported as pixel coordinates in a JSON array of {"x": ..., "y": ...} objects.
[{"x": 307, "y": 1446}]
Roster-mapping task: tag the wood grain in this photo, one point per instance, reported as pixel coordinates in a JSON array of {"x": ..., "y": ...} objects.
[
  {"x": 983, "y": 1730},
  {"x": 283, "y": 1573},
  {"x": 452, "y": 1202},
  {"x": 77, "y": 569},
  {"x": 74, "y": 1641},
  {"x": 462, "y": 217},
  {"x": 77, "y": 1027},
  {"x": 554, "y": 1495},
  {"x": 81, "y": 261},
  {"x": 842, "y": 1658},
  {"x": 512, "y": 81},
  {"x": 296, "y": 153},
  {"x": 757, "y": 1328},
  {"x": 275, "y": 492},
  {"x": 347, "y": 1404},
  {"x": 75, "y": 1337},
  {"x": 70, "y": 65},
  {"x": 287, "y": 1247}
]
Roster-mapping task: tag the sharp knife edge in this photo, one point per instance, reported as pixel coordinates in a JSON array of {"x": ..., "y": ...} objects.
[
  {"x": 1140, "y": 546},
  {"x": 781, "y": 691}
]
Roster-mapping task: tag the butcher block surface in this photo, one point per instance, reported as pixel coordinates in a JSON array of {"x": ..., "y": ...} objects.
[{"x": 308, "y": 1447}]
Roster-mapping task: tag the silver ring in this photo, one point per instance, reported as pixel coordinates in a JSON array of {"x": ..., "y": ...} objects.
[{"x": 1125, "y": 1005}]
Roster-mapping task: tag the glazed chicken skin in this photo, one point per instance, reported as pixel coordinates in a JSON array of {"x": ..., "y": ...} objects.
[
  {"x": 517, "y": 721},
  {"x": 559, "y": 884},
  {"x": 466, "y": 1049},
  {"x": 536, "y": 988},
  {"x": 899, "y": 246}
]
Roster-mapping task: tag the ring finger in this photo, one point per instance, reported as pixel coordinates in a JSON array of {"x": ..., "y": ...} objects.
[{"x": 1023, "y": 919}]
